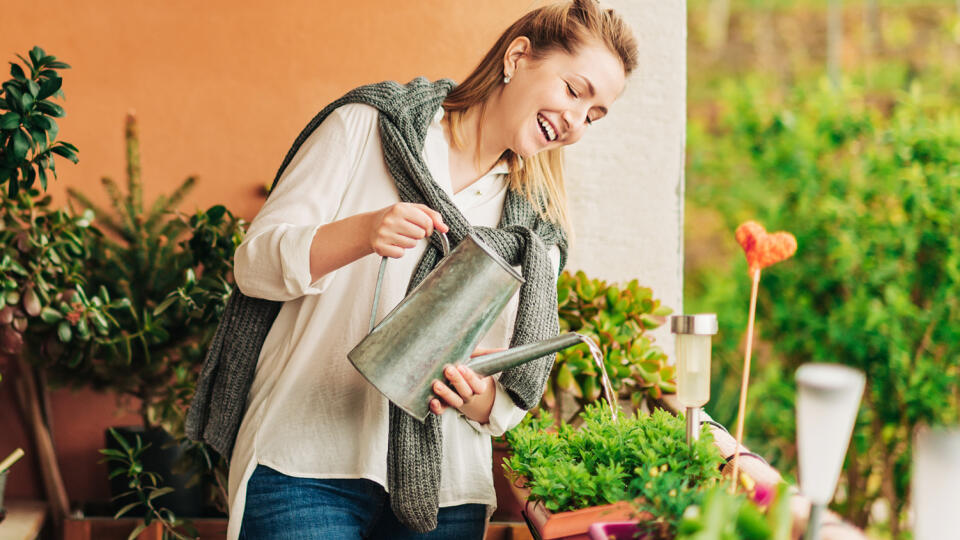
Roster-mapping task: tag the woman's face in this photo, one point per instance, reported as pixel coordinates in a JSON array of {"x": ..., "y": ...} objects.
[{"x": 551, "y": 102}]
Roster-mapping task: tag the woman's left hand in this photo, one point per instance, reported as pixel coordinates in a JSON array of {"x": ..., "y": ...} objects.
[{"x": 470, "y": 394}]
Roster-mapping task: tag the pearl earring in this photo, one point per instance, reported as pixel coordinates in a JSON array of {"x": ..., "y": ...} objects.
[{"x": 506, "y": 79}]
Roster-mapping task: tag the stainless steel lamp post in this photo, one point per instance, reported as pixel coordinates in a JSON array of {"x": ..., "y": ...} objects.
[{"x": 693, "y": 365}]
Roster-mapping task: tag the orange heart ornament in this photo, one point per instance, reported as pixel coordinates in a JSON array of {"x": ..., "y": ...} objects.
[{"x": 762, "y": 248}]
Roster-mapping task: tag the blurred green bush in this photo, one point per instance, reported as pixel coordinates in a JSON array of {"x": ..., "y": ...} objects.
[{"x": 869, "y": 191}]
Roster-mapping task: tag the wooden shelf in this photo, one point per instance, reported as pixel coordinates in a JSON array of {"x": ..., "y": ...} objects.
[
  {"x": 105, "y": 528},
  {"x": 24, "y": 519}
]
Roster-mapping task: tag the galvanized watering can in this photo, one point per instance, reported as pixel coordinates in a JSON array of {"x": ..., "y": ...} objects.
[{"x": 440, "y": 323}]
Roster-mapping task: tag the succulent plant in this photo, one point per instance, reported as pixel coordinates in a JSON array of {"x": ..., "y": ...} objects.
[{"x": 618, "y": 320}]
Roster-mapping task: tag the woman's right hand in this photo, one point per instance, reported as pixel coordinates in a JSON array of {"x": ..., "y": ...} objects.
[{"x": 400, "y": 226}]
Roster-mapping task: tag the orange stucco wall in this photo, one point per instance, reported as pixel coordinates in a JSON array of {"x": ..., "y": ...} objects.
[{"x": 220, "y": 89}]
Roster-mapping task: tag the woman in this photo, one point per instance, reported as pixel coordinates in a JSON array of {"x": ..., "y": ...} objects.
[{"x": 375, "y": 175}]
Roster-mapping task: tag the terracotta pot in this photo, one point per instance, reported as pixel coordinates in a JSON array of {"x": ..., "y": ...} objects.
[
  {"x": 575, "y": 524},
  {"x": 509, "y": 508}
]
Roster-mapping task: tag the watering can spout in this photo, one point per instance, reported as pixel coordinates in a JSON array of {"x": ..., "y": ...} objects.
[{"x": 488, "y": 364}]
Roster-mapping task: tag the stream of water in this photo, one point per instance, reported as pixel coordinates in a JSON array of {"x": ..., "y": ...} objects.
[{"x": 608, "y": 392}]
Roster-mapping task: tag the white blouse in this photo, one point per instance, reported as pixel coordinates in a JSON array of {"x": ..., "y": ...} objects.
[{"x": 309, "y": 412}]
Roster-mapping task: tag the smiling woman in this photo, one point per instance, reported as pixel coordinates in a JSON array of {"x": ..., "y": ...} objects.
[
  {"x": 535, "y": 92},
  {"x": 316, "y": 451}
]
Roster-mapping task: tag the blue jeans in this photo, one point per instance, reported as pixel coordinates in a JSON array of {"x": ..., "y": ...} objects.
[{"x": 281, "y": 507}]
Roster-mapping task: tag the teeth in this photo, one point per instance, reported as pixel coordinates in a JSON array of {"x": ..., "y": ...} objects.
[{"x": 547, "y": 128}]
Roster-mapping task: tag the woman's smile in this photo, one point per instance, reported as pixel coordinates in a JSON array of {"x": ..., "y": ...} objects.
[{"x": 546, "y": 128}]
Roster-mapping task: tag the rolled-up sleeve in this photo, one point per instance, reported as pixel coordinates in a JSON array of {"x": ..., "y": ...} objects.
[{"x": 273, "y": 262}]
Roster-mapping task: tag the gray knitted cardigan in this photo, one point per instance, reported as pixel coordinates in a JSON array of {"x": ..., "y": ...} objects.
[{"x": 522, "y": 237}]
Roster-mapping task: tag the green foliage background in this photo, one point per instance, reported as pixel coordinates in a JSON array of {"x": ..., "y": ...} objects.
[{"x": 866, "y": 176}]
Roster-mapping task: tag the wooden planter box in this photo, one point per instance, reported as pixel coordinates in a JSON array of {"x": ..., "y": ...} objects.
[
  {"x": 105, "y": 528},
  {"x": 574, "y": 524}
]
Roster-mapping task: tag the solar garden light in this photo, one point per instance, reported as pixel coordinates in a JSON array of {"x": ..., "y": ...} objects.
[
  {"x": 828, "y": 398},
  {"x": 936, "y": 475},
  {"x": 693, "y": 365}
]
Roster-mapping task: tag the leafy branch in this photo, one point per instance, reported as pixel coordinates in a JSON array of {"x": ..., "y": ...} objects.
[
  {"x": 28, "y": 130},
  {"x": 144, "y": 485}
]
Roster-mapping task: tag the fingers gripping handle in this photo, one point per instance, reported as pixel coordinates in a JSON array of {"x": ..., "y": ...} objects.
[{"x": 444, "y": 246}]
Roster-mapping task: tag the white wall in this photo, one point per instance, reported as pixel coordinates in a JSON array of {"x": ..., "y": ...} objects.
[{"x": 625, "y": 177}]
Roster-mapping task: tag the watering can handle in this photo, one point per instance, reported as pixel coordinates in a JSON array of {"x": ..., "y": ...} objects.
[{"x": 444, "y": 246}]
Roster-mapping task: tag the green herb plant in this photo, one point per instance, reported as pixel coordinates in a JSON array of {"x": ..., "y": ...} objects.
[
  {"x": 639, "y": 457},
  {"x": 618, "y": 319}
]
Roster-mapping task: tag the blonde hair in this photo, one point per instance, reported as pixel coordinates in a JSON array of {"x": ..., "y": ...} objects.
[{"x": 563, "y": 26}]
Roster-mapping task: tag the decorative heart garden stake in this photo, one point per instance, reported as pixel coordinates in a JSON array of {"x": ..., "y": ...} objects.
[{"x": 762, "y": 250}]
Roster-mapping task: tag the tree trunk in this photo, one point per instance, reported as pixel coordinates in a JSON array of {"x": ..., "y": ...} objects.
[
  {"x": 718, "y": 23},
  {"x": 856, "y": 511},
  {"x": 874, "y": 33},
  {"x": 834, "y": 40},
  {"x": 31, "y": 410},
  {"x": 767, "y": 58}
]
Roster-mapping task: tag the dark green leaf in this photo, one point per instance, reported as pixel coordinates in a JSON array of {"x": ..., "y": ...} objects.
[
  {"x": 53, "y": 129},
  {"x": 63, "y": 150},
  {"x": 29, "y": 174},
  {"x": 36, "y": 54},
  {"x": 11, "y": 120},
  {"x": 42, "y": 173},
  {"x": 40, "y": 122},
  {"x": 52, "y": 109},
  {"x": 13, "y": 97},
  {"x": 17, "y": 72},
  {"x": 126, "y": 509},
  {"x": 20, "y": 146},
  {"x": 121, "y": 440},
  {"x": 215, "y": 213},
  {"x": 160, "y": 492},
  {"x": 27, "y": 100},
  {"x": 49, "y": 86},
  {"x": 136, "y": 532},
  {"x": 109, "y": 452}
]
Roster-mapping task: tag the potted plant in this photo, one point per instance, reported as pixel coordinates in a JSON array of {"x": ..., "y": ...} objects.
[
  {"x": 634, "y": 466},
  {"x": 618, "y": 320},
  {"x": 170, "y": 274},
  {"x": 43, "y": 252}
]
